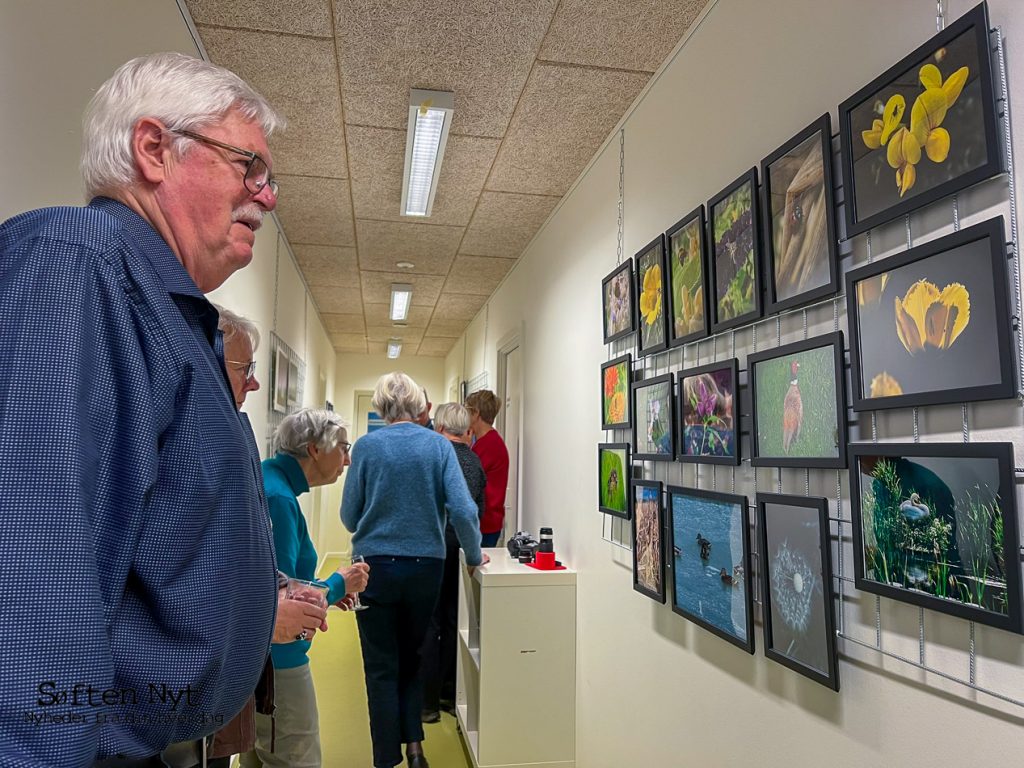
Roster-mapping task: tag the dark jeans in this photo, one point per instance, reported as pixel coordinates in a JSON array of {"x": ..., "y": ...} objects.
[
  {"x": 401, "y": 595},
  {"x": 488, "y": 540},
  {"x": 439, "y": 645}
]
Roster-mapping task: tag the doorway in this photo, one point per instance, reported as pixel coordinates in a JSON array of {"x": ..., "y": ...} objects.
[{"x": 510, "y": 424}]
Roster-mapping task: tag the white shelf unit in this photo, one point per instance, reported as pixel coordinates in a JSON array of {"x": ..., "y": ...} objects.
[{"x": 516, "y": 683}]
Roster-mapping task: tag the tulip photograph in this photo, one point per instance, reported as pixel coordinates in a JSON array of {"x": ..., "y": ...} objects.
[
  {"x": 924, "y": 129},
  {"x": 615, "y": 381},
  {"x": 931, "y": 325}
]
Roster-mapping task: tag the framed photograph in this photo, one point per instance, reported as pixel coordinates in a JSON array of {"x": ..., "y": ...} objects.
[
  {"x": 648, "y": 555},
  {"x": 613, "y": 476},
  {"x": 687, "y": 297},
  {"x": 935, "y": 524},
  {"x": 923, "y": 129},
  {"x": 294, "y": 396},
  {"x": 616, "y": 377},
  {"x": 709, "y": 541},
  {"x": 735, "y": 254},
  {"x": 708, "y": 414},
  {"x": 280, "y": 394},
  {"x": 799, "y": 626},
  {"x": 799, "y": 219},
  {"x": 799, "y": 414},
  {"x": 650, "y": 291},
  {"x": 653, "y": 409},
  {"x": 618, "y": 302},
  {"x": 932, "y": 325}
]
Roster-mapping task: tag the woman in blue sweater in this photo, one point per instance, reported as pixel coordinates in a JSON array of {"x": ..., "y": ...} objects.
[
  {"x": 311, "y": 450},
  {"x": 405, "y": 483}
]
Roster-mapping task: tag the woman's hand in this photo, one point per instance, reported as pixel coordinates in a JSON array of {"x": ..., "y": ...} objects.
[{"x": 356, "y": 577}]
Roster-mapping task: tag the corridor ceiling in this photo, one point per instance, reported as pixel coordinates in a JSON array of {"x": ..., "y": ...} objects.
[{"x": 539, "y": 85}]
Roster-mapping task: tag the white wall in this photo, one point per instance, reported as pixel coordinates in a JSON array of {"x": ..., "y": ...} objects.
[
  {"x": 359, "y": 373},
  {"x": 654, "y": 689},
  {"x": 54, "y": 55}
]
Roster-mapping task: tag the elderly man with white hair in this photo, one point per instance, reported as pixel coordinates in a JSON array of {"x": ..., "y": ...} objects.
[
  {"x": 404, "y": 484},
  {"x": 140, "y": 591}
]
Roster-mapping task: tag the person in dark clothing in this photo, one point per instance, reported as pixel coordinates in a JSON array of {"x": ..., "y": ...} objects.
[{"x": 452, "y": 421}]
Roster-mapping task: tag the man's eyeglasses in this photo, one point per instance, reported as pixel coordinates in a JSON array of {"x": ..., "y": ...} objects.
[
  {"x": 248, "y": 367},
  {"x": 345, "y": 447},
  {"x": 257, "y": 174}
]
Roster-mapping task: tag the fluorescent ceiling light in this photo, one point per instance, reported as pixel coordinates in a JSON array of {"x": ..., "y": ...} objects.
[
  {"x": 394, "y": 348},
  {"x": 430, "y": 117},
  {"x": 401, "y": 298}
]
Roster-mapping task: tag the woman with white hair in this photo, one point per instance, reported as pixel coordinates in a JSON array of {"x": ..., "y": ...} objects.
[
  {"x": 311, "y": 450},
  {"x": 404, "y": 485}
]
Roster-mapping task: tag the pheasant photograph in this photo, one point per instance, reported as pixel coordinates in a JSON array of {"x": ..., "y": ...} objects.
[
  {"x": 799, "y": 409},
  {"x": 792, "y": 409}
]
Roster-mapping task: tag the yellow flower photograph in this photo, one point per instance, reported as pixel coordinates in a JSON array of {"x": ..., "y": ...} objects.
[
  {"x": 923, "y": 129},
  {"x": 650, "y": 279}
]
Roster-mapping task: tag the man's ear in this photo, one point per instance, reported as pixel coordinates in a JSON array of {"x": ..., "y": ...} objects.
[{"x": 150, "y": 149}]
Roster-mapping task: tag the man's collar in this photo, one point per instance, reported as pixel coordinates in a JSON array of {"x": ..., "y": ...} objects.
[{"x": 173, "y": 275}]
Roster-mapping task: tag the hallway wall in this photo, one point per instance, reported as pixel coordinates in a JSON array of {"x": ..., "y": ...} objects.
[{"x": 652, "y": 688}]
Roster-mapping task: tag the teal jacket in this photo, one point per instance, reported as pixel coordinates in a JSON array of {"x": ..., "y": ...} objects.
[{"x": 284, "y": 481}]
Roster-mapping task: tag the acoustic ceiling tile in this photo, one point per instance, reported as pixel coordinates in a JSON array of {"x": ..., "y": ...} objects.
[
  {"x": 315, "y": 211},
  {"x": 478, "y": 275},
  {"x": 505, "y": 222},
  {"x": 479, "y": 49},
  {"x": 433, "y": 346},
  {"x": 349, "y": 342},
  {"x": 455, "y": 306},
  {"x": 338, "y": 301},
  {"x": 328, "y": 265},
  {"x": 382, "y": 244},
  {"x": 299, "y": 17},
  {"x": 637, "y": 35},
  {"x": 563, "y": 117},
  {"x": 335, "y": 323},
  {"x": 302, "y": 85}
]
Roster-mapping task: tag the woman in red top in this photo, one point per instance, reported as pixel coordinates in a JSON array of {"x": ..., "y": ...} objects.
[{"x": 483, "y": 407}]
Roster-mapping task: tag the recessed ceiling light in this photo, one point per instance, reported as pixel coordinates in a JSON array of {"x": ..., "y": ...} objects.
[
  {"x": 430, "y": 117},
  {"x": 401, "y": 298},
  {"x": 394, "y": 348},
  {"x": 405, "y": 265}
]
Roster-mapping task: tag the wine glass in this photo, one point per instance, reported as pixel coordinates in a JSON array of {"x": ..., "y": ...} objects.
[{"x": 356, "y": 604}]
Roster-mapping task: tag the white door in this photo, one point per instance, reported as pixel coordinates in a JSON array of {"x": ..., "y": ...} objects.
[{"x": 512, "y": 388}]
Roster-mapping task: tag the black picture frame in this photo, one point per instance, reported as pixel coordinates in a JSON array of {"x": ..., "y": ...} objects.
[
  {"x": 641, "y": 422},
  {"x": 716, "y": 271},
  {"x": 608, "y": 283},
  {"x": 857, "y": 114},
  {"x": 624, "y": 477},
  {"x": 732, "y": 406},
  {"x": 651, "y": 255},
  {"x": 739, "y": 576},
  {"x": 808, "y": 216},
  {"x": 792, "y": 608},
  {"x": 827, "y": 373},
  {"x": 646, "y": 524},
  {"x": 979, "y": 284},
  {"x": 606, "y": 414},
  {"x": 691, "y": 223},
  {"x": 966, "y": 463}
]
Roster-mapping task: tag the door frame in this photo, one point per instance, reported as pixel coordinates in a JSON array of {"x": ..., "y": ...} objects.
[{"x": 509, "y": 343}]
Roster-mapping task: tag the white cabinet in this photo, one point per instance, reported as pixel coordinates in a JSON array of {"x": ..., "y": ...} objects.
[{"x": 516, "y": 684}]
